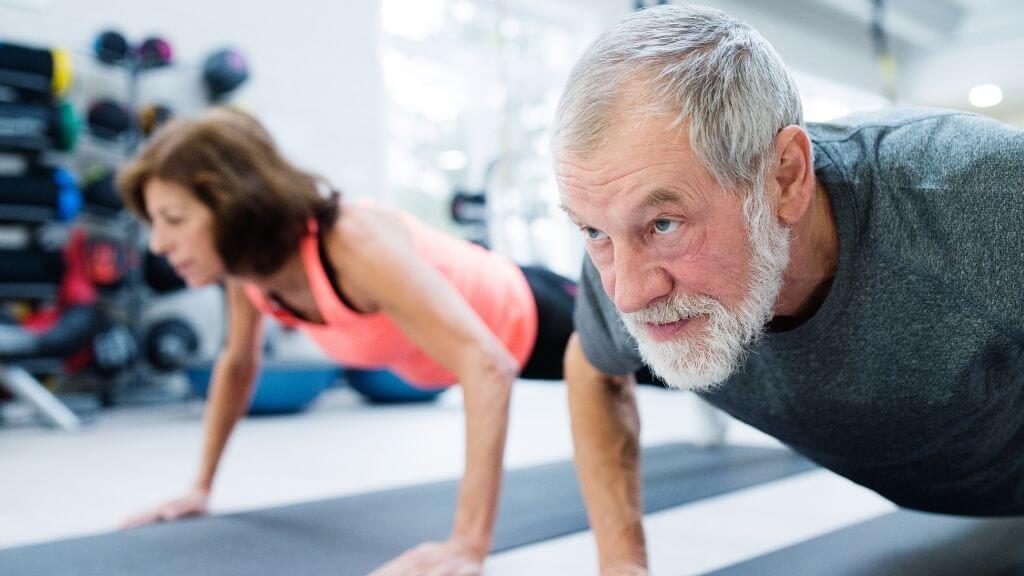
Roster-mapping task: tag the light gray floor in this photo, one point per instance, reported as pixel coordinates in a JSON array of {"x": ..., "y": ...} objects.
[{"x": 57, "y": 485}]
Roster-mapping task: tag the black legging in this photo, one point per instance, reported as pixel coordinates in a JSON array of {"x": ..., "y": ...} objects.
[{"x": 555, "y": 297}]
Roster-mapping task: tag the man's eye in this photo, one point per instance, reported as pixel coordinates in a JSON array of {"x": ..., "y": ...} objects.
[
  {"x": 665, "y": 225},
  {"x": 593, "y": 233}
]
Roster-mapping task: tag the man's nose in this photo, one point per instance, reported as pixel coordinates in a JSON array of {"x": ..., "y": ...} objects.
[{"x": 639, "y": 280}]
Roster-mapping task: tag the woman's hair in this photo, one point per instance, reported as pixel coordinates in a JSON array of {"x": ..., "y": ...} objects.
[{"x": 261, "y": 202}]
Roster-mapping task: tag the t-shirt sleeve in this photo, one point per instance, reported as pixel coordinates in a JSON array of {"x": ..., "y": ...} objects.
[{"x": 606, "y": 343}]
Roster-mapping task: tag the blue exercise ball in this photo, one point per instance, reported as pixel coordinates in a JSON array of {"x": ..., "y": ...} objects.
[
  {"x": 281, "y": 387},
  {"x": 383, "y": 387}
]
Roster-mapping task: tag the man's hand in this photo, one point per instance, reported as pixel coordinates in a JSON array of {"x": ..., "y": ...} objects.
[
  {"x": 451, "y": 558},
  {"x": 194, "y": 503}
]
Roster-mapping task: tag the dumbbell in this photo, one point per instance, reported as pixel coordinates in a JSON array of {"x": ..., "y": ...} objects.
[
  {"x": 35, "y": 71},
  {"x": 154, "y": 116},
  {"x": 223, "y": 72},
  {"x": 169, "y": 344},
  {"x": 37, "y": 127},
  {"x": 108, "y": 120},
  {"x": 39, "y": 195}
]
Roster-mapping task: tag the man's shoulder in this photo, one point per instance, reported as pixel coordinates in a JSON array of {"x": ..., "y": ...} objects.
[
  {"x": 884, "y": 120},
  {"x": 605, "y": 340},
  {"x": 921, "y": 147},
  {"x": 935, "y": 193}
]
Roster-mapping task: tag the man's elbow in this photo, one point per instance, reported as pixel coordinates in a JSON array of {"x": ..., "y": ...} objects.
[{"x": 579, "y": 371}]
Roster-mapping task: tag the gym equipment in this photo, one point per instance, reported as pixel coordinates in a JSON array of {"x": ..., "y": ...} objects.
[
  {"x": 99, "y": 195},
  {"x": 30, "y": 274},
  {"x": 40, "y": 195},
  {"x": 35, "y": 71},
  {"x": 155, "y": 52},
  {"x": 154, "y": 116},
  {"x": 69, "y": 335},
  {"x": 902, "y": 543},
  {"x": 469, "y": 207},
  {"x": 355, "y": 534},
  {"x": 36, "y": 127},
  {"x": 114, "y": 349},
  {"x": 108, "y": 119},
  {"x": 23, "y": 385},
  {"x": 383, "y": 387},
  {"x": 281, "y": 387},
  {"x": 159, "y": 275},
  {"x": 74, "y": 329},
  {"x": 469, "y": 210},
  {"x": 223, "y": 72},
  {"x": 170, "y": 344},
  {"x": 31, "y": 266},
  {"x": 111, "y": 47},
  {"x": 105, "y": 262}
]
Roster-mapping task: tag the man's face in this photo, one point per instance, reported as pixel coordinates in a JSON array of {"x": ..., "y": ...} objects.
[{"x": 674, "y": 251}]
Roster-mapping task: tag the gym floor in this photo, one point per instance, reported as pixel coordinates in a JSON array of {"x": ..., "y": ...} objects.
[{"x": 59, "y": 485}]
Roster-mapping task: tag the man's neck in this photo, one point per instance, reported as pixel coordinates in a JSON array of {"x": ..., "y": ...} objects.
[{"x": 813, "y": 255}]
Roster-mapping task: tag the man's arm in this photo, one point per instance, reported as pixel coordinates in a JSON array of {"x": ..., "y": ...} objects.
[{"x": 606, "y": 435}]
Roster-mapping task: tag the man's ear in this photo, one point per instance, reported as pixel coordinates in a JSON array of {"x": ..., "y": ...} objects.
[{"x": 791, "y": 180}]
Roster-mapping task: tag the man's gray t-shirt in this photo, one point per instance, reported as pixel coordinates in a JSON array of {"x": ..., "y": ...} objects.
[{"x": 909, "y": 379}]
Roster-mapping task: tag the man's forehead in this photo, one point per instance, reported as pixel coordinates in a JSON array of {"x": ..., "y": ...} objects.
[{"x": 660, "y": 177}]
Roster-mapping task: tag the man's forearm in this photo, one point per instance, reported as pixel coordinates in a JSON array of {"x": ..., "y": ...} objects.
[{"x": 606, "y": 430}]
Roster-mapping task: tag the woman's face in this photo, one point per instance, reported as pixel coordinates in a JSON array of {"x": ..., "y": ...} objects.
[{"x": 182, "y": 231}]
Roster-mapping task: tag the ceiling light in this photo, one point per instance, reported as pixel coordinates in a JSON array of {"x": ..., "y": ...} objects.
[{"x": 985, "y": 95}]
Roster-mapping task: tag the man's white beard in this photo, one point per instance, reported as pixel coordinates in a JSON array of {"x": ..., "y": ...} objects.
[{"x": 706, "y": 360}]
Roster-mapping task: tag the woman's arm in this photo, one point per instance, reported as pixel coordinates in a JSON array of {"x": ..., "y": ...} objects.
[
  {"x": 230, "y": 388},
  {"x": 431, "y": 312},
  {"x": 231, "y": 384}
]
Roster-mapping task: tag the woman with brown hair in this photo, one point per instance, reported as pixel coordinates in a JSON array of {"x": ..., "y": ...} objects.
[{"x": 373, "y": 286}]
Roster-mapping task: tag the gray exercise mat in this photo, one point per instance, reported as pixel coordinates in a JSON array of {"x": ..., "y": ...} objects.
[
  {"x": 902, "y": 543},
  {"x": 354, "y": 534}
]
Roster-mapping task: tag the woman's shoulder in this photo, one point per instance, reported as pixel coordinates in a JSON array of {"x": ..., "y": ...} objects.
[{"x": 365, "y": 228}]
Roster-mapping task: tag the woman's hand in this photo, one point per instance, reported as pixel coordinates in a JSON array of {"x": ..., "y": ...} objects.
[{"x": 194, "y": 503}]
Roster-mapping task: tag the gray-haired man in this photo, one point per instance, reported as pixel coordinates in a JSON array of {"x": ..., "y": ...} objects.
[{"x": 872, "y": 266}]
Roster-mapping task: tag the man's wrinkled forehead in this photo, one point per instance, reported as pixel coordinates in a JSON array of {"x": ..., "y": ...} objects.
[
  {"x": 634, "y": 155},
  {"x": 623, "y": 151}
]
